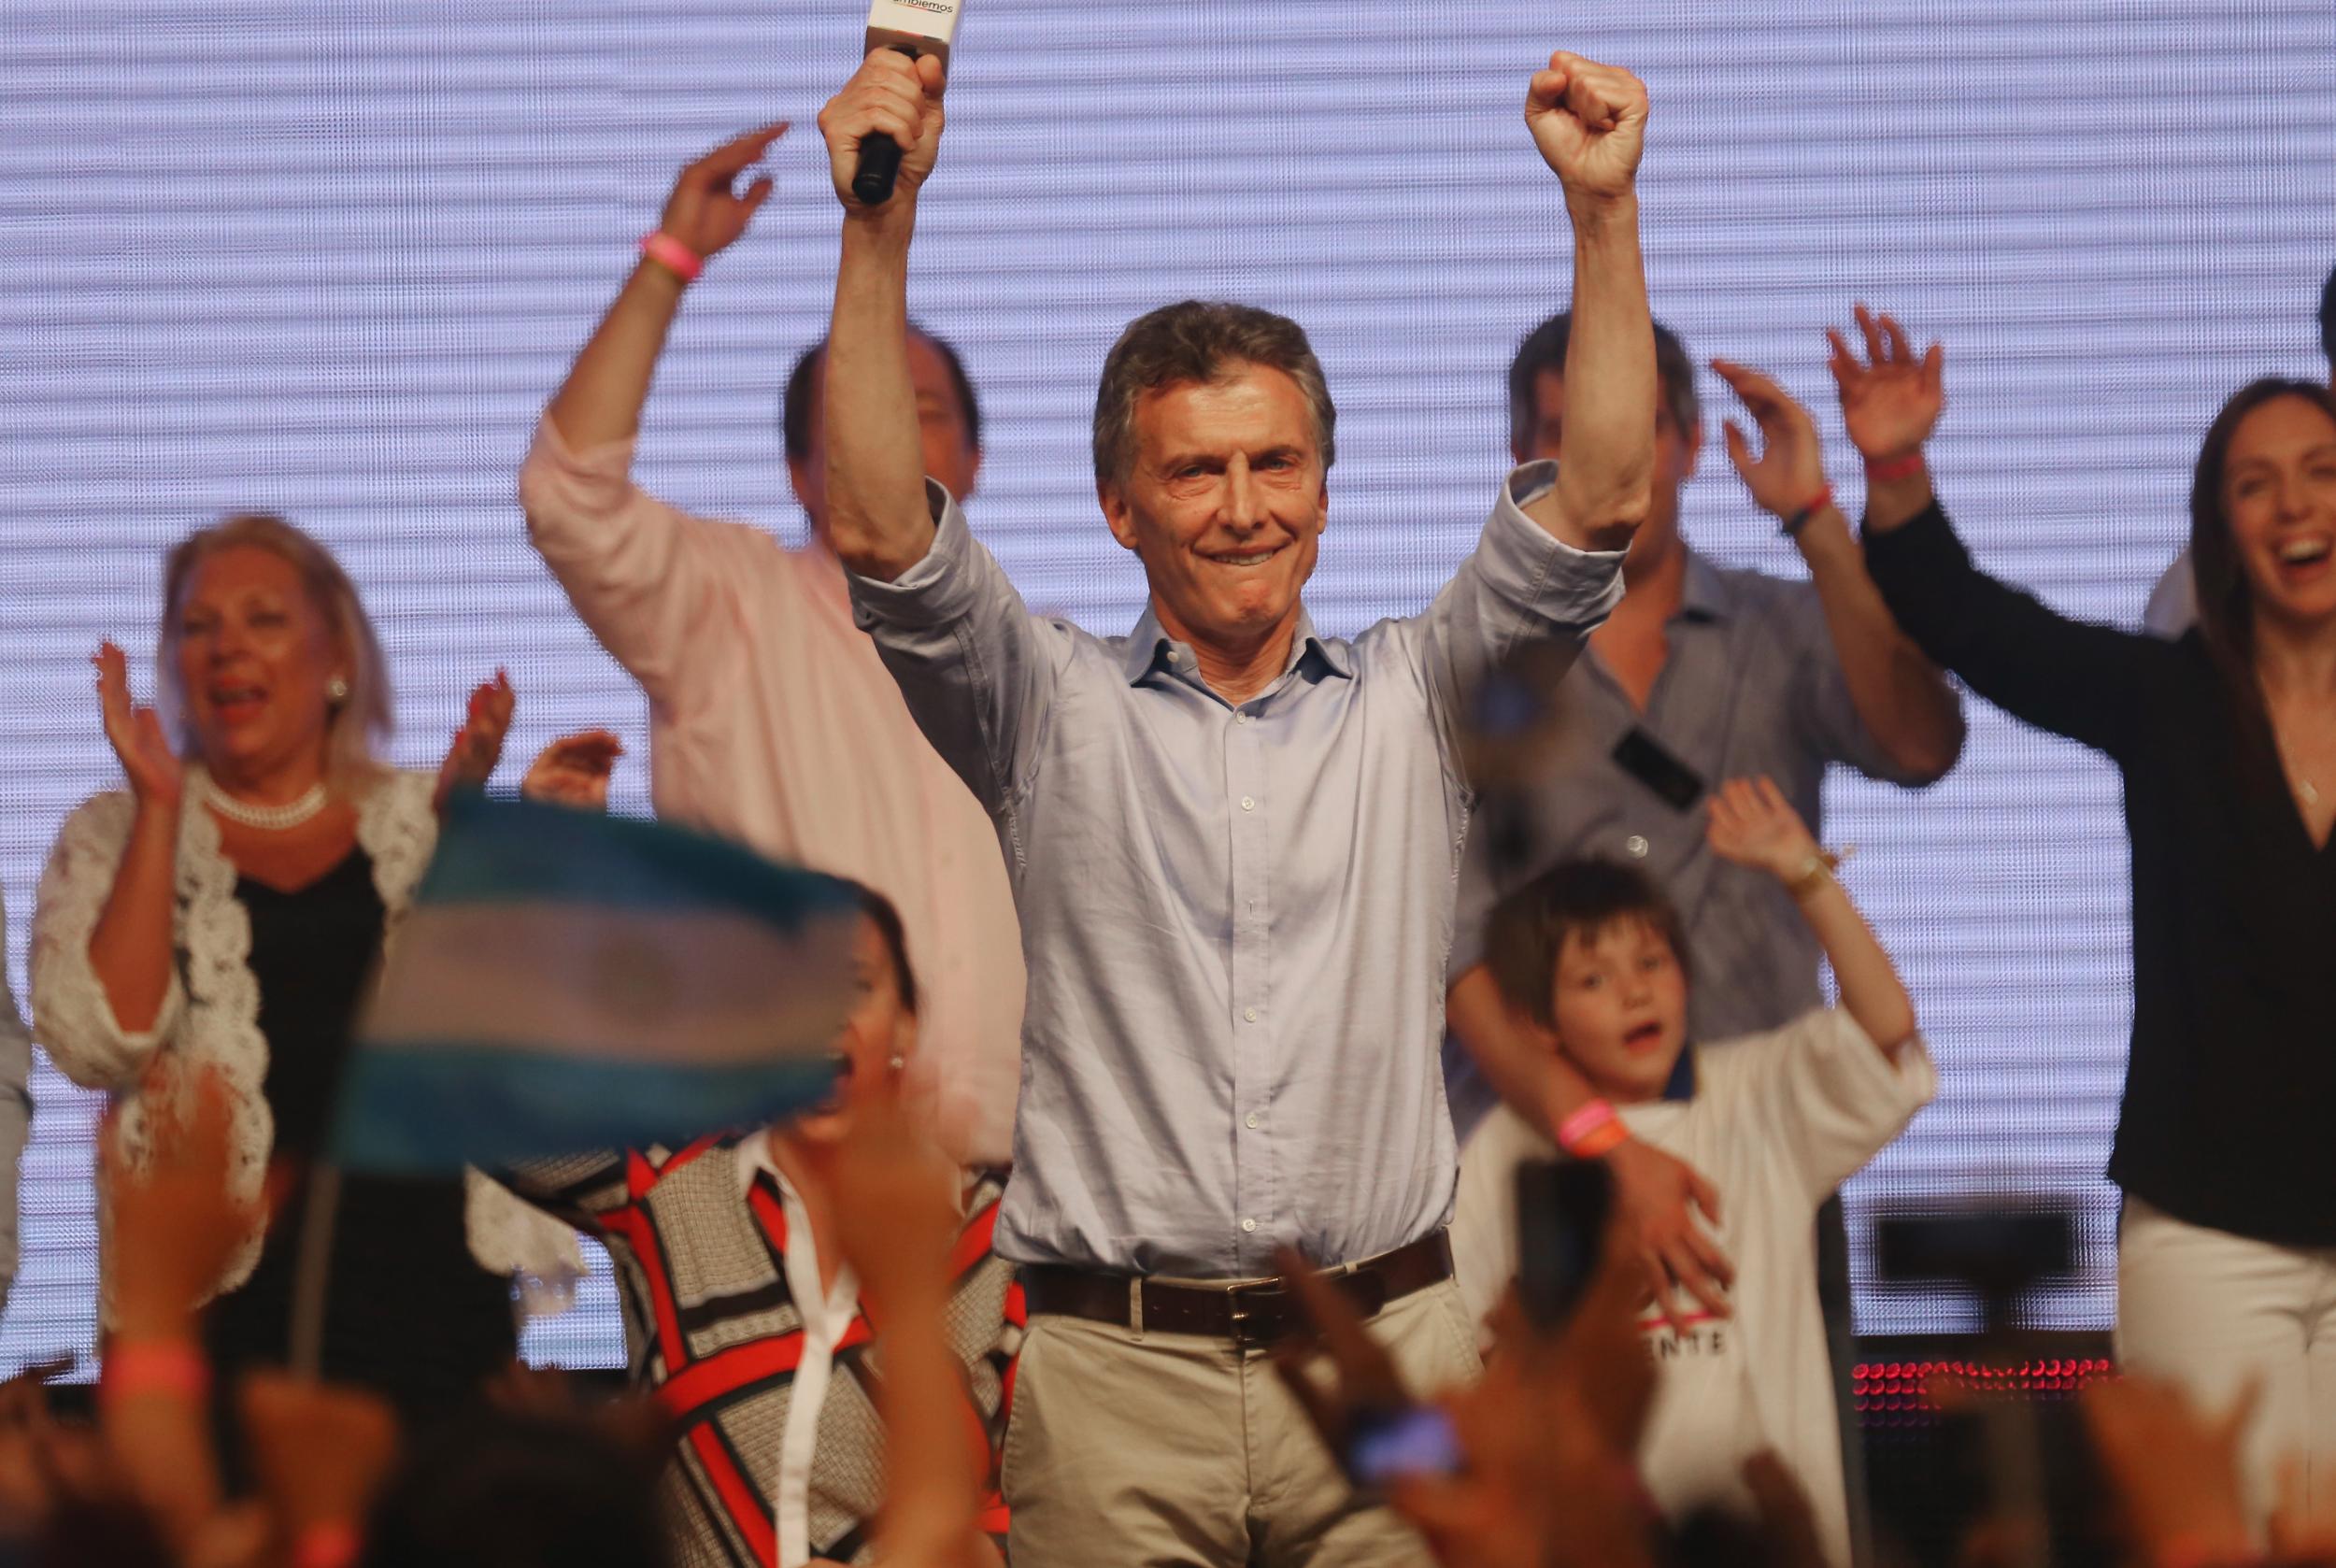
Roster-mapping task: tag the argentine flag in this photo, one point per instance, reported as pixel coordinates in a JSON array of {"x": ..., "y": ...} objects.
[{"x": 569, "y": 981}]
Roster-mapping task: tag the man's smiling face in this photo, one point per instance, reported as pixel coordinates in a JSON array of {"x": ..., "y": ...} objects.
[{"x": 1224, "y": 504}]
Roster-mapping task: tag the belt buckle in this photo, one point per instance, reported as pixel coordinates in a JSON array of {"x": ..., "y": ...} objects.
[{"x": 1236, "y": 1300}]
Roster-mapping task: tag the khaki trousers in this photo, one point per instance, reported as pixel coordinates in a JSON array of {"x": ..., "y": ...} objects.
[{"x": 1160, "y": 1450}]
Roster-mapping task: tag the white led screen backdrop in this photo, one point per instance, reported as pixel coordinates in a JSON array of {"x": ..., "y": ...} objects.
[{"x": 330, "y": 258}]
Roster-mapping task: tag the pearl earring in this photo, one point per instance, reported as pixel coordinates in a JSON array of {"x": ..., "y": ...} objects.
[{"x": 337, "y": 691}]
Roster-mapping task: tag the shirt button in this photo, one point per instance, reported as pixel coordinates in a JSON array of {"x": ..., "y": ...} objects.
[
  {"x": 1251, "y": 1121},
  {"x": 1240, "y": 718},
  {"x": 1636, "y": 844},
  {"x": 1249, "y": 1224},
  {"x": 1247, "y": 803},
  {"x": 1248, "y": 1014}
]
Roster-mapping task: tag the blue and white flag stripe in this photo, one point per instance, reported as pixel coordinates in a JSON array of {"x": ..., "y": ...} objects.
[{"x": 568, "y": 981}]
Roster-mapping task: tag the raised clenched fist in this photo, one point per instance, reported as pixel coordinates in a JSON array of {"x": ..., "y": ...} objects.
[{"x": 1589, "y": 121}]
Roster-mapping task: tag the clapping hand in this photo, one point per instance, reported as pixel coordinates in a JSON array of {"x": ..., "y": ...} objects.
[
  {"x": 1892, "y": 399},
  {"x": 1790, "y": 471},
  {"x": 478, "y": 744},
  {"x": 574, "y": 771},
  {"x": 1754, "y": 825},
  {"x": 706, "y": 212},
  {"x": 155, "y": 775},
  {"x": 1589, "y": 121}
]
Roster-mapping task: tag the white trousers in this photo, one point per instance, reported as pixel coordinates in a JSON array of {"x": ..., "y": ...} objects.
[{"x": 2212, "y": 1312}]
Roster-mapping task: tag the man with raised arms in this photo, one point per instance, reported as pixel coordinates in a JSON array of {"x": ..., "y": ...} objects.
[{"x": 1233, "y": 843}]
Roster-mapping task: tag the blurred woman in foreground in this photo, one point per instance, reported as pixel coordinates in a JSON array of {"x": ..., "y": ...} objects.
[{"x": 223, "y": 912}]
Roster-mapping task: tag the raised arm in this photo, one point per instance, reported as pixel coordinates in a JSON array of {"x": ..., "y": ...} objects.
[
  {"x": 601, "y": 400},
  {"x": 103, "y": 988},
  {"x": 1900, "y": 698},
  {"x": 2090, "y": 683},
  {"x": 879, "y": 520},
  {"x": 1589, "y": 121},
  {"x": 1753, "y": 825},
  {"x": 646, "y": 577}
]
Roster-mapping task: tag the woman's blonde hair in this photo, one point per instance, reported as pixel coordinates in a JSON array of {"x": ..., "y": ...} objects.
[{"x": 358, "y": 721}]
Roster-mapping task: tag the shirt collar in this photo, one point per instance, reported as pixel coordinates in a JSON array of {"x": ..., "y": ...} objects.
[
  {"x": 1150, "y": 646},
  {"x": 754, "y": 1158},
  {"x": 1705, "y": 593}
]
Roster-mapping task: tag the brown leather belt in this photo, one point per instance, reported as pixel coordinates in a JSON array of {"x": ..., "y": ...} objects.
[{"x": 1246, "y": 1311}]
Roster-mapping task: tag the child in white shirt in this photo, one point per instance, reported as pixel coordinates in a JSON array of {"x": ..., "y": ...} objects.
[{"x": 1590, "y": 956}]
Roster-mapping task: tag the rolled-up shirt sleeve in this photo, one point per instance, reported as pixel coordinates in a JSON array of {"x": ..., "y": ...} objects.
[
  {"x": 72, "y": 1011},
  {"x": 643, "y": 575},
  {"x": 1524, "y": 600},
  {"x": 978, "y": 671}
]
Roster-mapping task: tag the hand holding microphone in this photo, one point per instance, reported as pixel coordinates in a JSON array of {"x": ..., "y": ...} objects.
[{"x": 895, "y": 98}]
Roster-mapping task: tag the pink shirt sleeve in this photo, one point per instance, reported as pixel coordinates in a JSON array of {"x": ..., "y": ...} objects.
[{"x": 644, "y": 576}]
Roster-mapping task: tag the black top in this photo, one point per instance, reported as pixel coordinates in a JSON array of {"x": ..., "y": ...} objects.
[
  {"x": 407, "y": 1310},
  {"x": 2234, "y": 1066}
]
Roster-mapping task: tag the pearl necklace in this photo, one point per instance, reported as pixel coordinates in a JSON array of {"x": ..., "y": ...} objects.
[{"x": 267, "y": 818}]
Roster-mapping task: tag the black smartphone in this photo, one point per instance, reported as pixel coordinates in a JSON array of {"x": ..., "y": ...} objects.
[
  {"x": 1562, "y": 1211},
  {"x": 1648, "y": 760}
]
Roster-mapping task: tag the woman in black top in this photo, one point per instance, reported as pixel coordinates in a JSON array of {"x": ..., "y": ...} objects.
[
  {"x": 2225, "y": 741},
  {"x": 223, "y": 912}
]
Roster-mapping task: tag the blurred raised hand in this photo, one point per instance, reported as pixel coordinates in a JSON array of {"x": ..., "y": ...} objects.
[
  {"x": 470, "y": 762},
  {"x": 574, "y": 771},
  {"x": 1753, "y": 825}
]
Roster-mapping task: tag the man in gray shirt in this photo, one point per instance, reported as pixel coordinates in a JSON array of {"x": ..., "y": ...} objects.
[
  {"x": 1233, "y": 843},
  {"x": 1702, "y": 674}
]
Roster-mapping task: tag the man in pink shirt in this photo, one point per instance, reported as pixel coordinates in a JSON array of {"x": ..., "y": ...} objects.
[{"x": 772, "y": 721}]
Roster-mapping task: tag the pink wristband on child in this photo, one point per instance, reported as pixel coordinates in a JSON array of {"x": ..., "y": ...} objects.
[
  {"x": 165, "y": 1367},
  {"x": 674, "y": 256},
  {"x": 1590, "y": 1131}
]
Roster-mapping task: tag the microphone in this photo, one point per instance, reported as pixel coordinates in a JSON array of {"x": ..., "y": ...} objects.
[{"x": 911, "y": 27}]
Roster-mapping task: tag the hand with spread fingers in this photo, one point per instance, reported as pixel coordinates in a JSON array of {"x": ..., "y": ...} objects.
[
  {"x": 1589, "y": 121},
  {"x": 1657, "y": 1197},
  {"x": 1892, "y": 399},
  {"x": 152, "y": 770},
  {"x": 1788, "y": 472},
  {"x": 1753, "y": 825},
  {"x": 706, "y": 211},
  {"x": 895, "y": 96},
  {"x": 574, "y": 771}
]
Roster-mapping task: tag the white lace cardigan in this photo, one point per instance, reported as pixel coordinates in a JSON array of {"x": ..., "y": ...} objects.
[{"x": 210, "y": 1015}]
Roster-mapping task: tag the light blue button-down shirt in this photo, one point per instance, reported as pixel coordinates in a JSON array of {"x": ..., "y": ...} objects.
[{"x": 1236, "y": 918}]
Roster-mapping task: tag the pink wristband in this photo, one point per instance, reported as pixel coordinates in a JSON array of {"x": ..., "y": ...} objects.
[
  {"x": 336, "y": 1545},
  {"x": 163, "y": 1367},
  {"x": 1584, "y": 1125},
  {"x": 1889, "y": 470},
  {"x": 674, "y": 256}
]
